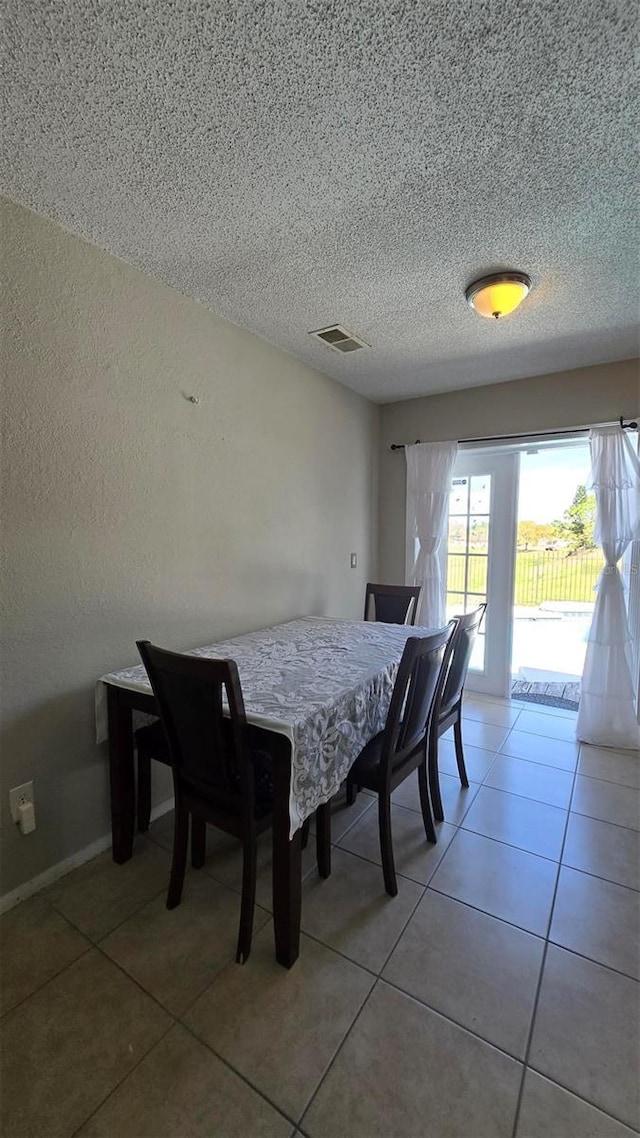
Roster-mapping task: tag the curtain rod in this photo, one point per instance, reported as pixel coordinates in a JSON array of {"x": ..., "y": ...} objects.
[{"x": 631, "y": 426}]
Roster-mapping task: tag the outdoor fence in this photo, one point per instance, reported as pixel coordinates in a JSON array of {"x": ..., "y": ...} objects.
[{"x": 556, "y": 575}]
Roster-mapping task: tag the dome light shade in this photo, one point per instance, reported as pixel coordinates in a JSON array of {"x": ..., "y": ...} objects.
[{"x": 498, "y": 295}]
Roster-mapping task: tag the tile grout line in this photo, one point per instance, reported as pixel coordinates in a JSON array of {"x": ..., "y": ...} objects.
[
  {"x": 373, "y": 974},
  {"x": 178, "y": 1017},
  {"x": 338, "y": 1050},
  {"x": 234, "y": 1070},
  {"x": 449, "y": 1019},
  {"x": 511, "y": 845},
  {"x": 95, "y": 943},
  {"x": 568, "y": 742},
  {"x": 236, "y": 892},
  {"x": 176, "y": 1021},
  {"x": 49, "y": 979},
  {"x": 618, "y": 825},
  {"x": 510, "y": 924},
  {"x": 563, "y": 742},
  {"x": 133, "y": 980},
  {"x": 407, "y": 922},
  {"x": 525, "y": 1061},
  {"x": 404, "y": 876},
  {"x": 535, "y": 762},
  {"x": 340, "y": 953},
  {"x": 598, "y": 876},
  {"x": 503, "y": 920},
  {"x": 528, "y": 797},
  {"x": 126, "y": 1075},
  {"x": 591, "y": 959},
  {"x": 610, "y": 782},
  {"x": 334, "y": 841},
  {"x": 580, "y": 1098},
  {"x": 377, "y": 979}
]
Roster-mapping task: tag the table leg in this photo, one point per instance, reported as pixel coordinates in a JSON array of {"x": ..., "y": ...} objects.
[
  {"x": 121, "y": 775},
  {"x": 287, "y": 860}
]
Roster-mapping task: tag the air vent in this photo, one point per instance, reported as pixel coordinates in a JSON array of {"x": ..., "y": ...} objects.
[{"x": 339, "y": 339}]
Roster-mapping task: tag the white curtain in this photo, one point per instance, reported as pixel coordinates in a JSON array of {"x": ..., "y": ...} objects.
[
  {"x": 607, "y": 714},
  {"x": 429, "y": 468}
]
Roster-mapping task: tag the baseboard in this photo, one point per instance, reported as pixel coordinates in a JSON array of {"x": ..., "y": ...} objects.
[{"x": 55, "y": 872}]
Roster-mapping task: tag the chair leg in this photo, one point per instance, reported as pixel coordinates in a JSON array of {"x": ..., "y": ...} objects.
[
  {"x": 386, "y": 845},
  {"x": 179, "y": 862},
  {"x": 323, "y": 839},
  {"x": 434, "y": 778},
  {"x": 249, "y": 871},
  {"x": 457, "y": 738},
  {"x": 144, "y": 792},
  {"x": 352, "y": 793},
  {"x": 429, "y": 828},
  {"x": 198, "y": 842},
  {"x": 304, "y": 840}
]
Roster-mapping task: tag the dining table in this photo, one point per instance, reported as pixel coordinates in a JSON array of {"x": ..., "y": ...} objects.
[{"x": 316, "y": 689}]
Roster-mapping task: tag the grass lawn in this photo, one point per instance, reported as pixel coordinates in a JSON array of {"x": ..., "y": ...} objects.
[{"x": 540, "y": 575}]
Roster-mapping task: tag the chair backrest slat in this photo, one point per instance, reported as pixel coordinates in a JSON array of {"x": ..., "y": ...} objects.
[
  {"x": 207, "y": 747},
  {"x": 463, "y": 640},
  {"x": 420, "y": 674},
  {"x": 392, "y": 604}
]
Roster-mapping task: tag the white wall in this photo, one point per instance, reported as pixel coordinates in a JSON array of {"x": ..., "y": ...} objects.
[
  {"x": 541, "y": 403},
  {"x": 128, "y": 512}
]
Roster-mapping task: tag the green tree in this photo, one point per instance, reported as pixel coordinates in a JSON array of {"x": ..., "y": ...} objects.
[
  {"x": 578, "y": 521},
  {"x": 533, "y": 535}
]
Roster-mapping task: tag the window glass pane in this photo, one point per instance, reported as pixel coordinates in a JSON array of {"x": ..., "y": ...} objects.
[
  {"x": 455, "y": 572},
  {"x": 478, "y": 535},
  {"x": 477, "y": 574},
  {"x": 459, "y": 496},
  {"x": 480, "y": 494},
  {"x": 475, "y": 599},
  {"x": 457, "y": 535},
  {"x": 477, "y": 654},
  {"x": 468, "y": 550},
  {"x": 455, "y": 604}
]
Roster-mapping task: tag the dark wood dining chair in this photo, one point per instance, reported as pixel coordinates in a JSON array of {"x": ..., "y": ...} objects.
[
  {"x": 218, "y": 778},
  {"x": 151, "y": 746},
  {"x": 447, "y": 708},
  {"x": 392, "y": 604},
  {"x": 400, "y": 748}
]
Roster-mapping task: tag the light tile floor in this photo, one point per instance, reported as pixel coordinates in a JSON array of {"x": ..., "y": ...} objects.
[{"x": 495, "y": 996}]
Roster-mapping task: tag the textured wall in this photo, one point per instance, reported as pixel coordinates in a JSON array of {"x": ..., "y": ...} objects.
[
  {"x": 543, "y": 403},
  {"x": 129, "y": 512}
]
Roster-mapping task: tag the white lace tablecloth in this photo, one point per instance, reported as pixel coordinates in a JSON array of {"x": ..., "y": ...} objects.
[{"x": 324, "y": 683}]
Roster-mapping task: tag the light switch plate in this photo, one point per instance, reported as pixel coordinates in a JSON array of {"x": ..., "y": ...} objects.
[{"x": 354, "y": 561}]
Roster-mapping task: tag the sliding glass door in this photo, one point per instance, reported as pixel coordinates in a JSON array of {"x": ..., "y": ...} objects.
[{"x": 520, "y": 538}]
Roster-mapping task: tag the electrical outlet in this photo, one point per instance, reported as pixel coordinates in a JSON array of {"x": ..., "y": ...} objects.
[
  {"x": 354, "y": 560},
  {"x": 17, "y": 796}
]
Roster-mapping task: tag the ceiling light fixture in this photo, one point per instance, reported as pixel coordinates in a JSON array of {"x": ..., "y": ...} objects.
[{"x": 499, "y": 294}]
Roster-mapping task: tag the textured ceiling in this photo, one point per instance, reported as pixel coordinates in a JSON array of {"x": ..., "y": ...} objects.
[{"x": 294, "y": 165}]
